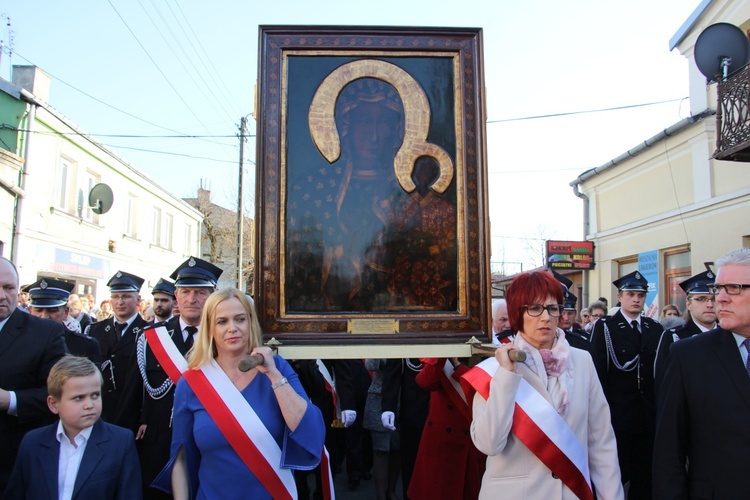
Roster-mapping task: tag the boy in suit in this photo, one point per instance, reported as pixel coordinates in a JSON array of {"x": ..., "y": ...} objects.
[{"x": 80, "y": 456}]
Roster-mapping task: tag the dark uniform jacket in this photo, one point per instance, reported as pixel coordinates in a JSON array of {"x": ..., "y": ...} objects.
[
  {"x": 29, "y": 346},
  {"x": 578, "y": 337},
  {"x": 157, "y": 409},
  {"x": 668, "y": 338},
  {"x": 122, "y": 390},
  {"x": 81, "y": 345},
  {"x": 630, "y": 394},
  {"x": 702, "y": 435}
]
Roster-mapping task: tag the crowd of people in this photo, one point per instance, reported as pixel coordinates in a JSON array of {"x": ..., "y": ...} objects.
[{"x": 112, "y": 404}]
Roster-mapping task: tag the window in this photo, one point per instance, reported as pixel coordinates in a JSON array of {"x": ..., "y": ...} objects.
[
  {"x": 676, "y": 269},
  {"x": 188, "y": 239},
  {"x": 62, "y": 184},
  {"x": 130, "y": 217},
  {"x": 627, "y": 266},
  {"x": 167, "y": 233},
  {"x": 88, "y": 181},
  {"x": 156, "y": 226}
]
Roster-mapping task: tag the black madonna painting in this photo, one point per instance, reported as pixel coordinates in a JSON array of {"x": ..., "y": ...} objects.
[{"x": 371, "y": 180}]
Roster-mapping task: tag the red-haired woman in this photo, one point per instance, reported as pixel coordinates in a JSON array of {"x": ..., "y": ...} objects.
[{"x": 544, "y": 423}]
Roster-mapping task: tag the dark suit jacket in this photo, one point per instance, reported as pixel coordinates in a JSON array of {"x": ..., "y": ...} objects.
[
  {"x": 29, "y": 347},
  {"x": 109, "y": 467},
  {"x": 667, "y": 339},
  {"x": 122, "y": 390},
  {"x": 702, "y": 421}
]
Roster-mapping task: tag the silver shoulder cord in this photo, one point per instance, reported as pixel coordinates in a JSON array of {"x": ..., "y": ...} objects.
[
  {"x": 163, "y": 389},
  {"x": 627, "y": 367},
  {"x": 413, "y": 367}
]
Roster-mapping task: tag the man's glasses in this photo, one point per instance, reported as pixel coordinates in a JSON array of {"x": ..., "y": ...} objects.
[
  {"x": 730, "y": 288},
  {"x": 554, "y": 310},
  {"x": 596, "y": 316},
  {"x": 703, "y": 298}
]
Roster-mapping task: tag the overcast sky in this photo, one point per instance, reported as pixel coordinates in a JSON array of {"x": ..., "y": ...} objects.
[{"x": 155, "y": 69}]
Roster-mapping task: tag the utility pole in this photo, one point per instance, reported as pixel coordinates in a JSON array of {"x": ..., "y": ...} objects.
[{"x": 240, "y": 215}]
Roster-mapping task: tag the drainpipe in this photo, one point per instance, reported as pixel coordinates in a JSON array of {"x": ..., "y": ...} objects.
[
  {"x": 586, "y": 223},
  {"x": 22, "y": 185}
]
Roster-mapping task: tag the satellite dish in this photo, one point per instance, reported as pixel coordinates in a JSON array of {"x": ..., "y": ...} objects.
[
  {"x": 100, "y": 198},
  {"x": 721, "y": 49}
]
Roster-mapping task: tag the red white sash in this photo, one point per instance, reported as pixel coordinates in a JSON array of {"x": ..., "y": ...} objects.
[
  {"x": 537, "y": 425},
  {"x": 229, "y": 410},
  {"x": 330, "y": 387}
]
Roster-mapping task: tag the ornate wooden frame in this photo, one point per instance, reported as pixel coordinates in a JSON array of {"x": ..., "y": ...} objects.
[{"x": 301, "y": 71}]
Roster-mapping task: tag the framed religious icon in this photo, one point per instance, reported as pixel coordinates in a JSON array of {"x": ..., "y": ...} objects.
[{"x": 371, "y": 185}]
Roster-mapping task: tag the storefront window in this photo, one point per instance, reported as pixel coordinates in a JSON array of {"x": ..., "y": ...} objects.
[{"x": 676, "y": 269}]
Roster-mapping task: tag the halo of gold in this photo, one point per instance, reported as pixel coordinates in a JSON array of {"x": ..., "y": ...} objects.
[{"x": 322, "y": 124}]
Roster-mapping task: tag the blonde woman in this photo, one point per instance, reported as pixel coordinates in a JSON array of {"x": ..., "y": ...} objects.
[{"x": 239, "y": 434}]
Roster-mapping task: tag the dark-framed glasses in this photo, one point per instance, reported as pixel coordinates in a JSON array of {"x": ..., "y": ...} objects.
[
  {"x": 730, "y": 288},
  {"x": 554, "y": 310},
  {"x": 703, "y": 298}
]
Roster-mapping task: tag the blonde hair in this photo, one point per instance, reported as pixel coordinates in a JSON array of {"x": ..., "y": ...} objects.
[
  {"x": 67, "y": 367},
  {"x": 204, "y": 350}
]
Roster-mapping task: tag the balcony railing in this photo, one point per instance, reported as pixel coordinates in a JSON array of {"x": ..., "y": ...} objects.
[{"x": 733, "y": 118}]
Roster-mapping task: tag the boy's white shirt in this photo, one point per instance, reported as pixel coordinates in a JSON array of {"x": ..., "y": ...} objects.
[{"x": 69, "y": 460}]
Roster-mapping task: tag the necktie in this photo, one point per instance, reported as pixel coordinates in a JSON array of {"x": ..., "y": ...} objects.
[
  {"x": 120, "y": 327},
  {"x": 190, "y": 330},
  {"x": 634, "y": 324},
  {"x": 746, "y": 343}
]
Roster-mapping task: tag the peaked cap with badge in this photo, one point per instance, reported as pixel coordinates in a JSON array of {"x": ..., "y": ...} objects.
[
  {"x": 125, "y": 282},
  {"x": 699, "y": 283},
  {"x": 163, "y": 286},
  {"x": 48, "y": 292},
  {"x": 634, "y": 282},
  {"x": 569, "y": 298},
  {"x": 196, "y": 272}
]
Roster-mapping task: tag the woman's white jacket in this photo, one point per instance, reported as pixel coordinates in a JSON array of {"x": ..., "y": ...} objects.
[{"x": 513, "y": 471}]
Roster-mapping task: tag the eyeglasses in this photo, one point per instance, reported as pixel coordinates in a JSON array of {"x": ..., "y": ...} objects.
[
  {"x": 554, "y": 310},
  {"x": 703, "y": 299},
  {"x": 596, "y": 316},
  {"x": 730, "y": 288}
]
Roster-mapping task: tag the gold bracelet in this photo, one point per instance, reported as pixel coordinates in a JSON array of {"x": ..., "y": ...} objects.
[{"x": 278, "y": 384}]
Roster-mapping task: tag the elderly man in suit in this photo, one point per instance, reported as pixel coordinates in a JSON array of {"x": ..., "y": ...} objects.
[
  {"x": 702, "y": 433},
  {"x": 29, "y": 347}
]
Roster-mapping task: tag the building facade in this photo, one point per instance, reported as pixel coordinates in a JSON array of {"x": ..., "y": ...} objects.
[
  {"x": 48, "y": 166},
  {"x": 666, "y": 206}
]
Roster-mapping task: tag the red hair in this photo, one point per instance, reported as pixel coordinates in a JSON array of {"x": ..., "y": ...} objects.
[{"x": 530, "y": 288}]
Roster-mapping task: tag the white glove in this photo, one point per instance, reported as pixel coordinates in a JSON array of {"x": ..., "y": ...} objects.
[
  {"x": 388, "y": 419},
  {"x": 348, "y": 417}
]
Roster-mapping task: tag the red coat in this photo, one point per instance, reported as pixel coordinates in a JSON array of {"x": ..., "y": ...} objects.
[{"x": 448, "y": 465}]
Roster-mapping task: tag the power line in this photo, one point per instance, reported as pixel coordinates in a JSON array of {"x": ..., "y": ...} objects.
[
  {"x": 111, "y": 106},
  {"x": 170, "y": 153},
  {"x": 569, "y": 113},
  {"x": 125, "y": 136},
  {"x": 179, "y": 58},
  {"x": 157, "y": 66}
]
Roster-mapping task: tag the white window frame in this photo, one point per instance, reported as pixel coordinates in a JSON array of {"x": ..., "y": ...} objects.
[
  {"x": 88, "y": 181},
  {"x": 130, "y": 216},
  {"x": 168, "y": 226},
  {"x": 156, "y": 226},
  {"x": 62, "y": 184}
]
